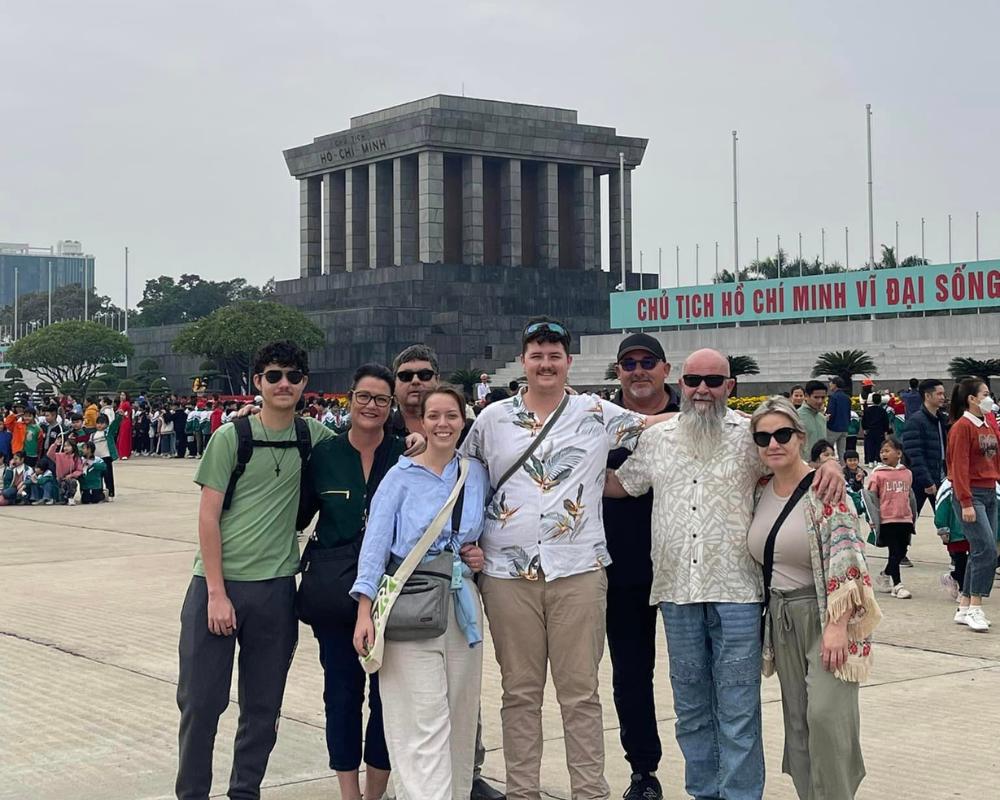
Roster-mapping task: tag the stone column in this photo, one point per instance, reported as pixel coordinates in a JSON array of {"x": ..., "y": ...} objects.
[
  {"x": 548, "y": 215},
  {"x": 472, "y": 210},
  {"x": 356, "y": 218},
  {"x": 510, "y": 213},
  {"x": 614, "y": 224},
  {"x": 333, "y": 223},
  {"x": 597, "y": 221},
  {"x": 404, "y": 211},
  {"x": 380, "y": 214},
  {"x": 310, "y": 222},
  {"x": 583, "y": 217},
  {"x": 430, "y": 217}
]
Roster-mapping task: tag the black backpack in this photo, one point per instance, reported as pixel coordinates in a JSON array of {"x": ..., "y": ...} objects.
[{"x": 245, "y": 444}]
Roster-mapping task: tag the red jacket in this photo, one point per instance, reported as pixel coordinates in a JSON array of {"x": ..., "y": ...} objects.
[
  {"x": 215, "y": 420},
  {"x": 973, "y": 456}
]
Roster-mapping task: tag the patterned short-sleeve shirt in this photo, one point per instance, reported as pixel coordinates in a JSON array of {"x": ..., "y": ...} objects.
[
  {"x": 702, "y": 510},
  {"x": 548, "y": 514}
]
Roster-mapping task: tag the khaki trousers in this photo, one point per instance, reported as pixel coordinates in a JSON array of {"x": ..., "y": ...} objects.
[
  {"x": 822, "y": 722},
  {"x": 561, "y": 624},
  {"x": 430, "y": 706}
]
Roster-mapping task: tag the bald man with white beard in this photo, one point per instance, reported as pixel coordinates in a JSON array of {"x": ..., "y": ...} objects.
[{"x": 702, "y": 466}]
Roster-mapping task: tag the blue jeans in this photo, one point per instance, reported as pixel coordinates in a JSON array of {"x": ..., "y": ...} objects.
[
  {"x": 46, "y": 492},
  {"x": 982, "y": 537},
  {"x": 715, "y": 660}
]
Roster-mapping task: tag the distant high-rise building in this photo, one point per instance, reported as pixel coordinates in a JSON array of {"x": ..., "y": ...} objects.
[{"x": 69, "y": 265}]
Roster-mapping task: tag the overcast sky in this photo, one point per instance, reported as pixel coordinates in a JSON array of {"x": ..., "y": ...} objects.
[{"x": 160, "y": 125}]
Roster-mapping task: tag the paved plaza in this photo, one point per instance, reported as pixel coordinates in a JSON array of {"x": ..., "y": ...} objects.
[{"x": 89, "y": 616}]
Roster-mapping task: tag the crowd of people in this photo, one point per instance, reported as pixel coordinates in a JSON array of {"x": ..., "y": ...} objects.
[{"x": 567, "y": 520}]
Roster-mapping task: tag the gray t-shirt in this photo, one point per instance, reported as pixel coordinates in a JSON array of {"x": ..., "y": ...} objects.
[{"x": 792, "y": 567}]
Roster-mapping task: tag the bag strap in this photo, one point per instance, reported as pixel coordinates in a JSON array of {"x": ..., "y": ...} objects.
[
  {"x": 456, "y": 512},
  {"x": 244, "y": 452},
  {"x": 793, "y": 501},
  {"x": 416, "y": 555},
  {"x": 549, "y": 424}
]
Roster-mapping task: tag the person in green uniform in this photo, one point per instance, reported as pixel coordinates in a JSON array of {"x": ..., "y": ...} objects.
[
  {"x": 92, "y": 479},
  {"x": 32, "y": 437},
  {"x": 342, "y": 477},
  {"x": 243, "y": 588}
]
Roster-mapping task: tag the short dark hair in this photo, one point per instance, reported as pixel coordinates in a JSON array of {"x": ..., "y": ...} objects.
[
  {"x": 876, "y": 398},
  {"x": 283, "y": 353},
  {"x": 513, "y": 386},
  {"x": 545, "y": 335},
  {"x": 839, "y": 382},
  {"x": 19, "y": 454},
  {"x": 44, "y": 463},
  {"x": 851, "y": 454},
  {"x": 372, "y": 370},
  {"x": 894, "y": 443},
  {"x": 101, "y": 418},
  {"x": 448, "y": 390},
  {"x": 89, "y": 446},
  {"x": 928, "y": 386},
  {"x": 796, "y": 386},
  {"x": 818, "y": 449},
  {"x": 415, "y": 352},
  {"x": 814, "y": 386},
  {"x": 914, "y": 383},
  {"x": 76, "y": 417}
]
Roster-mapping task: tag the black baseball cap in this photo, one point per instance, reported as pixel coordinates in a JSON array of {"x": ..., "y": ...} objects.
[{"x": 641, "y": 341}]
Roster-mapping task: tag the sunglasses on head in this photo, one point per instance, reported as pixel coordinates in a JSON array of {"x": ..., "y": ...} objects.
[
  {"x": 781, "y": 436},
  {"x": 545, "y": 327},
  {"x": 646, "y": 362},
  {"x": 294, "y": 376},
  {"x": 711, "y": 381},
  {"x": 406, "y": 375}
]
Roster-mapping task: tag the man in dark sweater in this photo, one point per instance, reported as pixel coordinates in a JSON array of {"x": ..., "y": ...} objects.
[
  {"x": 642, "y": 369},
  {"x": 925, "y": 441}
]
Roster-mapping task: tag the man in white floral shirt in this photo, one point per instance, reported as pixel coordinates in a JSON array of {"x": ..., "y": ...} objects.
[{"x": 543, "y": 584}]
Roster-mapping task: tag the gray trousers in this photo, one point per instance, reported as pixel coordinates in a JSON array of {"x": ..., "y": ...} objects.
[
  {"x": 267, "y": 631},
  {"x": 839, "y": 441},
  {"x": 822, "y": 722}
]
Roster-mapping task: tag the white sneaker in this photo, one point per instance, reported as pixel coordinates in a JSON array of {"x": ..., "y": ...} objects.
[
  {"x": 960, "y": 615},
  {"x": 883, "y": 583},
  {"x": 950, "y": 586},
  {"x": 900, "y": 592},
  {"x": 71, "y": 502},
  {"x": 976, "y": 620}
]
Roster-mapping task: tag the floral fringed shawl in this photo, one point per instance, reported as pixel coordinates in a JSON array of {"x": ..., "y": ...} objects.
[{"x": 842, "y": 583}]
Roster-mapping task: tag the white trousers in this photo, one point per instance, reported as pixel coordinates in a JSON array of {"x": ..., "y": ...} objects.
[{"x": 430, "y": 706}]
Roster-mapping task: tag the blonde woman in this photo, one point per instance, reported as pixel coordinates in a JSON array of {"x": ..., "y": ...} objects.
[{"x": 821, "y": 611}]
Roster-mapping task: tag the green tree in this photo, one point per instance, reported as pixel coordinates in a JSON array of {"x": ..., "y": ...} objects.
[
  {"x": 67, "y": 304},
  {"x": 130, "y": 386},
  {"x": 741, "y": 365},
  {"x": 466, "y": 378},
  {"x": 159, "y": 388},
  {"x": 68, "y": 351},
  {"x": 846, "y": 364},
  {"x": 960, "y": 367},
  {"x": 610, "y": 373},
  {"x": 168, "y": 302},
  {"x": 231, "y": 335}
]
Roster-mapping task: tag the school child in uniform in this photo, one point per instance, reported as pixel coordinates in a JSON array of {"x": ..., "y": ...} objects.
[
  {"x": 892, "y": 506},
  {"x": 104, "y": 446},
  {"x": 204, "y": 428},
  {"x": 821, "y": 451},
  {"x": 15, "y": 490},
  {"x": 180, "y": 418},
  {"x": 68, "y": 469},
  {"x": 948, "y": 521},
  {"x": 855, "y": 476},
  {"x": 32, "y": 437},
  {"x": 42, "y": 483},
  {"x": 92, "y": 478},
  {"x": 6, "y": 451}
]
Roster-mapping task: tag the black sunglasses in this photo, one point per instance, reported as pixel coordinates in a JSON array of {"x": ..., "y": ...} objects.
[
  {"x": 294, "y": 376},
  {"x": 711, "y": 381},
  {"x": 406, "y": 375},
  {"x": 646, "y": 362},
  {"x": 781, "y": 436}
]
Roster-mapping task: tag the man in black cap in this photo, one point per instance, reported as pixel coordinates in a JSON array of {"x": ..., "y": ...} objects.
[{"x": 643, "y": 370}]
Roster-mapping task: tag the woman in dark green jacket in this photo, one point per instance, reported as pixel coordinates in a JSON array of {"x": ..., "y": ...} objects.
[{"x": 342, "y": 477}]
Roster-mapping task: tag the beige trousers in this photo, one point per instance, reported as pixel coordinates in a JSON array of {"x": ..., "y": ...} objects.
[
  {"x": 430, "y": 705},
  {"x": 561, "y": 624}
]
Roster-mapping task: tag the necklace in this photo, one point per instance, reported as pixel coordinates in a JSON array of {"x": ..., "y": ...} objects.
[{"x": 278, "y": 460}]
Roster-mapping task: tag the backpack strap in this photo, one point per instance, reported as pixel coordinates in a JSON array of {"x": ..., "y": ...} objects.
[
  {"x": 303, "y": 440},
  {"x": 244, "y": 452}
]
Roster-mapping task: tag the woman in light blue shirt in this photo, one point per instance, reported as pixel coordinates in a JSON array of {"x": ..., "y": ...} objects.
[{"x": 430, "y": 688}]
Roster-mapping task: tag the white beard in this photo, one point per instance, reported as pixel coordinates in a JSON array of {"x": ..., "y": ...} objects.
[{"x": 701, "y": 431}]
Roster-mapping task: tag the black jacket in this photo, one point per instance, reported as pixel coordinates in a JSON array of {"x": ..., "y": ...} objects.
[
  {"x": 925, "y": 440},
  {"x": 628, "y": 525}
]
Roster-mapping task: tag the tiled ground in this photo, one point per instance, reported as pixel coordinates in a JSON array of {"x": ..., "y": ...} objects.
[{"x": 89, "y": 602}]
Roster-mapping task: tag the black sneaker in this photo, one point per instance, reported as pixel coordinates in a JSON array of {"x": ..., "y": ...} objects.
[
  {"x": 643, "y": 787},
  {"x": 481, "y": 790},
  {"x": 905, "y": 562}
]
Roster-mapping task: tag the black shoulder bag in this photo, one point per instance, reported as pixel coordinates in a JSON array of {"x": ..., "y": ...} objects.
[
  {"x": 327, "y": 573},
  {"x": 793, "y": 501}
]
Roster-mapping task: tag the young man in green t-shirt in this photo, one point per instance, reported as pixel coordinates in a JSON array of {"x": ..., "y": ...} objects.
[
  {"x": 32, "y": 437},
  {"x": 243, "y": 589}
]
